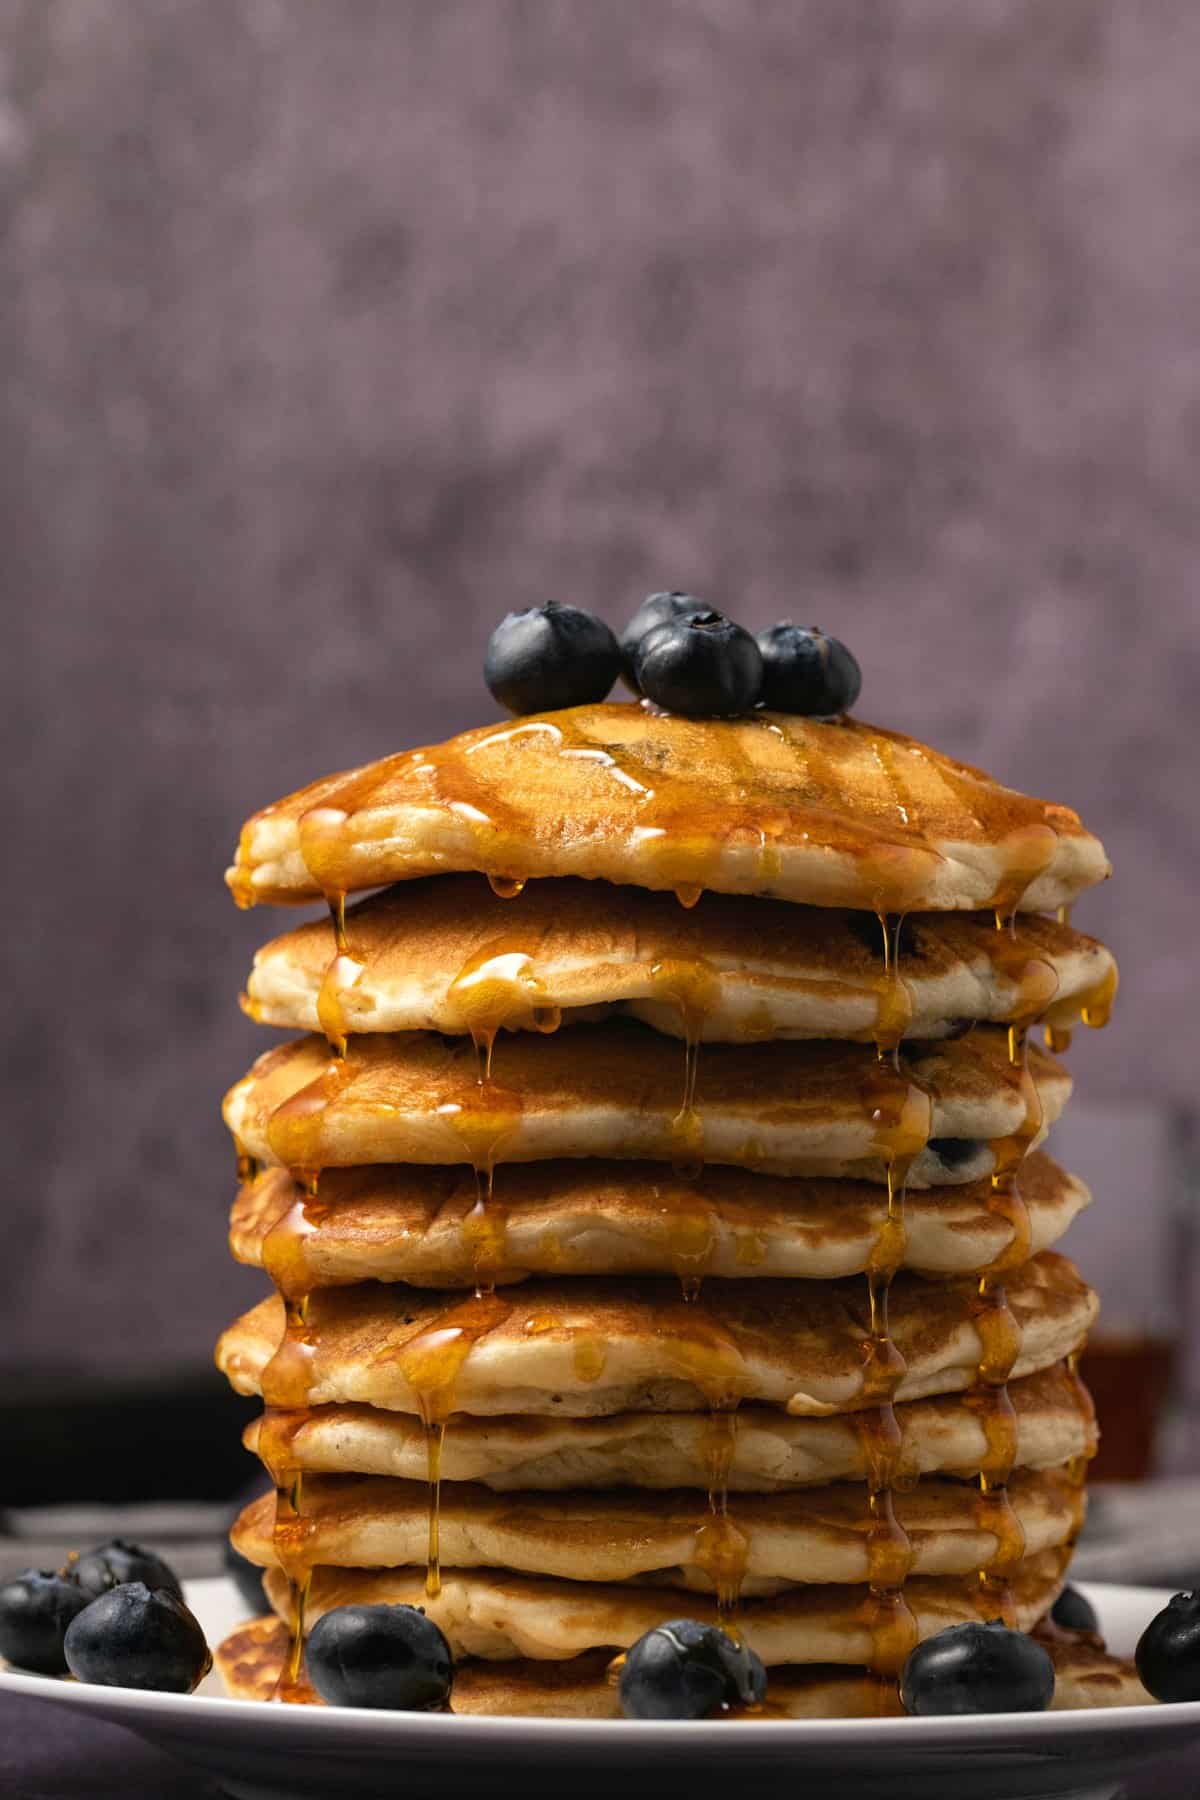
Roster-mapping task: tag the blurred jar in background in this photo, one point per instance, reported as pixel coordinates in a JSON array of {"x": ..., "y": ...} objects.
[{"x": 1135, "y": 1246}]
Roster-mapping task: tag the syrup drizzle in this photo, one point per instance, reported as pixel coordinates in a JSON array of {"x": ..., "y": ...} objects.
[
  {"x": 900, "y": 1112},
  {"x": 431, "y": 1362},
  {"x": 997, "y": 1327}
]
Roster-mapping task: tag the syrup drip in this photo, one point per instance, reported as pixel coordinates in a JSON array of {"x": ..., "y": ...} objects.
[
  {"x": 482, "y": 1125},
  {"x": 690, "y": 984},
  {"x": 894, "y": 996},
  {"x": 248, "y": 1167},
  {"x": 997, "y": 1328},
  {"x": 1094, "y": 1006},
  {"x": 901, "y": 1117},
  {"x": 343, "y": 974},
  {"x": 497, "y": 988},
  {"x": 431, "y": 1363},
  {"x": 506, "y": 887},
  {"x": 285, "y": 1383},
  {"x": 722, "y": 1548}
]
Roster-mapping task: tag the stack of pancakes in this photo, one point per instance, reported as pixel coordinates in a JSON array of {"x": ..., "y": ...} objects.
[{"x": 655, "y": 1205}]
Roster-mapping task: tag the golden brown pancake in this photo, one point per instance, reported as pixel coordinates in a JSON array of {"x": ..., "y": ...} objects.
[
  {"x": 405, "y": 1222},
  {"x": 499, "y": 1615},
  {"x": 793, "y": 1108},
  {"x": 827, "y": 814},
  {"x": 669, "y": 1537},
  {"x": 444, "y": 954},
  {"x": 250, "y": 1662},
  {"x": 578, "y": 1348},
  {"x": 769, "y": 1450}
]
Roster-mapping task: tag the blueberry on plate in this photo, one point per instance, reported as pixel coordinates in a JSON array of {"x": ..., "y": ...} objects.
[
  {"x": 806, "y": 672},
  {"x": 35, "y": 1610},
  {"x": 110, "y": 1565},
  {"x": 1168, "y": 1652},
  {"x": 976, "y": 1668},
  {"x": 656, "y": 609},
  {"x": 1073, "y": 1613},
  {"x": 700, "y": 664},
  {"x": 551, "y": 656},
  {"x": 137, "y": 1637},
  {"x": 386, "y": 1656},
  {"x": 685, "y": 1670}
]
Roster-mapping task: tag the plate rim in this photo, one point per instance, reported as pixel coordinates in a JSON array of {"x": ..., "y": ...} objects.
[{"x": 141, "y": 1708}]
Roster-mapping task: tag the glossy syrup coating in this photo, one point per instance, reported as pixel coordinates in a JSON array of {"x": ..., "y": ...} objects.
[{"x": 827, "y": 814}]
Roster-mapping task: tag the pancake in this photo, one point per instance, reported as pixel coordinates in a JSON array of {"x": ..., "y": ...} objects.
[
  {"x": 578, "y": 1348},
  {"x": 768, "y": 1451},
  {"x": 497, "y": 1615},
  {"x": 825, "y": 813},
  {"x": 792, "y": 1108},
  {"x": 250, "y": 1662},
  {"x": 444, "y": 955},
  {"x": 404, "y": 1222},
  {"x": 817, "y": 1534}
]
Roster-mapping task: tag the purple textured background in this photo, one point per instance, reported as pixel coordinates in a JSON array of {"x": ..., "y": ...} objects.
[{"x": 329, "y": 333}]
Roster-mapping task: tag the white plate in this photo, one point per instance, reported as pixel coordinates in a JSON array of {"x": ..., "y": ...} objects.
[{"x": 257, "y": 1751}]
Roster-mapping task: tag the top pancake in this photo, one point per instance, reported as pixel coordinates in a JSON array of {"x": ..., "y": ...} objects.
[
  {"x": 446, "y": 955},
  {"x": 824, "y": 813}
]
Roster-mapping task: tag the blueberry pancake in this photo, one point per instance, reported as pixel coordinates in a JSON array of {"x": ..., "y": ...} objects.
[
  {"x": 438, "y": 955},
  {"x": 798, "y": 1108}
]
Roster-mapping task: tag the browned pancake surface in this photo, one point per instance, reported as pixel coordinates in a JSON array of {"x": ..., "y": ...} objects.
[
  {"x": 832, "y": 814},
  {"x": 405, "y": 1222},
  {"x": 444, "y": 954},
  {"x": 583, "y": 1347},
  {"x": 766, "y": 1542},
  {"x": 617, "y": 1088},
  {"x": 251, "y": 1659},
  {"x": 770, "y": 1450}
]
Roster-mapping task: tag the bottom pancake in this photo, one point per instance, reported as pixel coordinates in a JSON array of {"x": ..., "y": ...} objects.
[
  {"x": 500, "y": 1616},
  {"x": 250, "y": 1662}
]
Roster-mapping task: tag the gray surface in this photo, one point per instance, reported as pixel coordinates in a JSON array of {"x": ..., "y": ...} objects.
[{"x": 328, "y": 332}]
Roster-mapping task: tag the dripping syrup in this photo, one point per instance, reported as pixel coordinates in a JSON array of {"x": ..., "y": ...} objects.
[
  {"x": 900, "y": 1113},
  {"x": 432, "y": 1362}
]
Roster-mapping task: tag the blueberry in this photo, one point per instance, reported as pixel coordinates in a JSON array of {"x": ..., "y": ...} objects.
[
  {"x": 1168, "y": 1652},
  {"x": 806, "y": 672},
  {"x": 1074, "y": 1613},
  {"x": 549, "y": 657},
  {"x": 136, "y": 1637},
  {"x": 35, "y": 1610},
  {"x": 701, "y": 664},
  {"x": 380, "y": 1656},
  {"x": 685, "y": 1670},
  {"x": 112, "y": 1564},
  {"x": 976, "y": 1668},
  {"x": 955, "y": 1153},
  {"x": 656, "y": 609}
]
